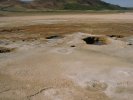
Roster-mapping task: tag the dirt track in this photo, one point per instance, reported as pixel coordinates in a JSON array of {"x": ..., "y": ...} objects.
[{"x": 65, "y": 67}]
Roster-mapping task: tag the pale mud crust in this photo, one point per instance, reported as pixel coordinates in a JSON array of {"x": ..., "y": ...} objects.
[
  {"x": 53, "y": 65},
  {"x": 56, "y": 71},
  {"x": 50, "y": 90}
]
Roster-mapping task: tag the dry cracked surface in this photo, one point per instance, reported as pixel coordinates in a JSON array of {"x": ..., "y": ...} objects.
[{"x": 70, "y": 66}]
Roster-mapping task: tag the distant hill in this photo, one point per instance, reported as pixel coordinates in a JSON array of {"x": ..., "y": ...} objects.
[{"x": 17, "y": 5}]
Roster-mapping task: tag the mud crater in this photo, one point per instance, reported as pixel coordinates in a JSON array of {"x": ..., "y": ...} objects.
[
  {"x": 96, "y": 40},
  {"x": 54, "y": 37},
  {"x": 6, "y": 50}
]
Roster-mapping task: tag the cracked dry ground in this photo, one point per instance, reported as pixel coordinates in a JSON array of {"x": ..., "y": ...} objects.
[
  {"x": 61, "y": 66},
  {"x": 40, "y": 75}
]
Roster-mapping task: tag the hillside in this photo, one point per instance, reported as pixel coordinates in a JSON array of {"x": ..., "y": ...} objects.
[{"x": 56, "y": 5}]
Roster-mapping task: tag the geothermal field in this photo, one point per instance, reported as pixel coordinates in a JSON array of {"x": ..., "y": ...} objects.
[{"x": 85, "y": 56}]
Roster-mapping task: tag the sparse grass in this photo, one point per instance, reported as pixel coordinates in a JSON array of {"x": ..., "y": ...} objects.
[{"x": 59, "y": 12}]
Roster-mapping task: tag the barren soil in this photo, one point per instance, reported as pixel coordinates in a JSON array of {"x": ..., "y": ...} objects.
[{"x": 66, "y": 57}]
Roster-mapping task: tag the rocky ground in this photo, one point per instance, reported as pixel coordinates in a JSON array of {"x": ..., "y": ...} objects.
[{"x": 61, "y": 57}]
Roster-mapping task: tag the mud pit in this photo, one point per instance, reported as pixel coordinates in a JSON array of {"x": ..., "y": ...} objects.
[
  {"x": 95, "y": 40},
  {"x": 54, "y": 37},
  {"x": 6, "y": 50}
]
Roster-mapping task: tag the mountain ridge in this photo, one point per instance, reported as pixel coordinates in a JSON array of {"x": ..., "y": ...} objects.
[{"x": 57, "y": 5}]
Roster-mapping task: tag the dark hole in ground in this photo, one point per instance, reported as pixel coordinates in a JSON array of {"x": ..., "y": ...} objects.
[
  {"x": 73, "y": 46},
  {"x": 54, "y": 37},
  {"x": 6, "y": 50},
  {"x": 116, "y": 36},
  {"x": 129, "y": 44},
  {"x": 96, "y": 40}
]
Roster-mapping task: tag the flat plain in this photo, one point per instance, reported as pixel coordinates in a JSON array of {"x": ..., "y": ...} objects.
[{"x": 66, "y": 57}]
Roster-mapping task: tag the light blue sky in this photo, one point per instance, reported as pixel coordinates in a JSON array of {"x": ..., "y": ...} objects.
[{"x": 125, "y": 3}]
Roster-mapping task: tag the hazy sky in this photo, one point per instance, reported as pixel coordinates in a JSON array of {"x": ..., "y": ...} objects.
[{"x": 125, "y": 3}]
